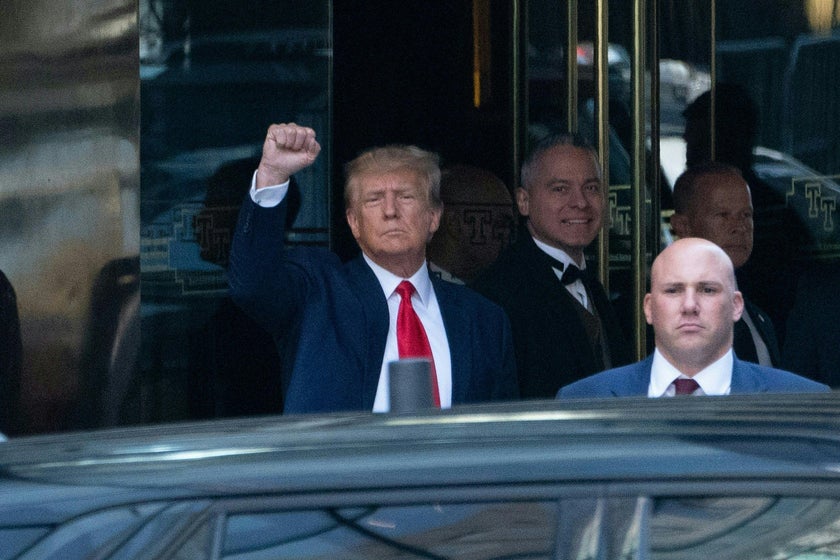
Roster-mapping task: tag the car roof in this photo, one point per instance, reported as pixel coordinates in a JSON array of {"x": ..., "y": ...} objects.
[
  {"x": 752, "y": 446},
  {"x": 755, "y": 436}
]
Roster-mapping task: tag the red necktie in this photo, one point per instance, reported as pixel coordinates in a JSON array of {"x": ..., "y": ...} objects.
[
  {"x": 411, "y": 336},
  {"x": 685, "y": 386}
]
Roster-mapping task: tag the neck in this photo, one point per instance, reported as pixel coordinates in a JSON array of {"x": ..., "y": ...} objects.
[
  {"x": 576, "y": 254},
  {"x": 691, "y": 363},
  {"x": 402, "y": 267}
]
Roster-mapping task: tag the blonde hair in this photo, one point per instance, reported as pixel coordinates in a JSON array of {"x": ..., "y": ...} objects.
[{"x": 390, "y": 158}]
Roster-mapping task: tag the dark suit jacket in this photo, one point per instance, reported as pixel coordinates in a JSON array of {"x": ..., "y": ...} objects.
[
  {"x": 812, "y": 345},
  {"x": 633, "y": 381},
  {"x": 334, "y": 317},
  {"x": 551, "y": 345},
  {"x": 743, "y": 343}
]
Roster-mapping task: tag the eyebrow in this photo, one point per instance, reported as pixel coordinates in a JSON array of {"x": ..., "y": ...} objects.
[{"x": 701, "y": 283}]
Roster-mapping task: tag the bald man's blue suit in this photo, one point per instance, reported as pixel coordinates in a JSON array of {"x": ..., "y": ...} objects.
[{"x": 633, "y": 381}]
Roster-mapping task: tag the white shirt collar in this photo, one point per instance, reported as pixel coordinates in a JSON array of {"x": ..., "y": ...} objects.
[
  {"x": 558, "y": 254},
  {"x": 389, "y": 281},
  {"x": 444, "y": 274},
  {"x": 714, "y": 379}
]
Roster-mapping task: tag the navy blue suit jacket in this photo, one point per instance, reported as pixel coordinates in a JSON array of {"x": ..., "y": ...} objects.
[
  {"x": 633, "y": 381},
  {"x": 334, "y": 319}
]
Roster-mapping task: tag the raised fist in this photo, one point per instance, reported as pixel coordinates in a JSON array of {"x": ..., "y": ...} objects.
[{"x": 287, "y": 149}]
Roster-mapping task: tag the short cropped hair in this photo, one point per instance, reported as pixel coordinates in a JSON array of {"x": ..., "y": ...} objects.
[
  {"x": 390, "y": 158},
  {"x": 685, "y": 187},
  {"x": 548, "y": 142}
]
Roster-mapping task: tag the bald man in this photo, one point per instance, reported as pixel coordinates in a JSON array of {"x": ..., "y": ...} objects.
[{"x": 692, "y": 305}]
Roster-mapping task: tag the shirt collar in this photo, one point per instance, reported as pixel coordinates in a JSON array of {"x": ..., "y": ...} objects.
[
  {"x": 558, "y": 254},
  {"x": 389, "y": 281},
  {"x": 714, "y": 379},
  {"x": 444, "y": 274}
]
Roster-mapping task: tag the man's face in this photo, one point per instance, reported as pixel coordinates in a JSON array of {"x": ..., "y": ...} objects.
[
  {"x": 722, "y": 212},
  {"x": 565, "y": 201},
  {"x": 692, "y": 304},
  {"x": 392, "y": 220}
]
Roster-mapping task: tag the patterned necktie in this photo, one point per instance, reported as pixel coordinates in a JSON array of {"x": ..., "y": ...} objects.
[
  {"x": 412, "y": 341},
  {"x": 685, "y": 386}
]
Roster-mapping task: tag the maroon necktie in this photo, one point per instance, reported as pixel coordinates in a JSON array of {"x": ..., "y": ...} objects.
[
  {"x": 411, "y": 336},
  {"x": 685, "y": 386}
]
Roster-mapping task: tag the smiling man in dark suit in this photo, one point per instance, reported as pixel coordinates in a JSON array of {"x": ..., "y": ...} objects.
[
  {"x": 564, "y": 326},
  {"x": 692, "y": 305},
  {"x": 342, "y": 318}
]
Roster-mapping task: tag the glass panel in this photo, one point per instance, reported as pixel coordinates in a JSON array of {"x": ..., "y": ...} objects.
[
  {"x": 547, "y": 108},
  {"x": 92, "y": 535},
  {"x": 631, "y": 528},
  {"x": 745, "y": 528},
  {"x": 777, "y": 113},
  {"x": 464, "y": 531},
  {"x": 214, "y": 76}
]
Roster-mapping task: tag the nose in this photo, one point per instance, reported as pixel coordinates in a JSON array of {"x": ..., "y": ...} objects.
[
  {"x": 390, "y": 206},
  {"x": 578, "y": 199},
  {"x": 689, "y": 302}
]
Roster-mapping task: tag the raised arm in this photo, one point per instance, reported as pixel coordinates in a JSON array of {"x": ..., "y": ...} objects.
[{"x": 262, "y": 280}]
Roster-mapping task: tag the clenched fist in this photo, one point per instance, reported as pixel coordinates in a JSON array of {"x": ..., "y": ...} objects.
[{"x": 287, "y": 149}]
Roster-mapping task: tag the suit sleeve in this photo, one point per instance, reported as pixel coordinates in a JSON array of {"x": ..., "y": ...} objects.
[{"x": 263, "y": 281}]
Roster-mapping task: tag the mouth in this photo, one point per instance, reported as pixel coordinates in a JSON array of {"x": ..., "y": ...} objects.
[
  {"x": 577, "y": 222},
  {"x": 690, "y": 327}
]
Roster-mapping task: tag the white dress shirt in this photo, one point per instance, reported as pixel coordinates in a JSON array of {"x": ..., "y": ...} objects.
[
  {"x": 576, "y": 288},
  {"x": 424, "y": 301},
  {"x": 714, "y": 379}
]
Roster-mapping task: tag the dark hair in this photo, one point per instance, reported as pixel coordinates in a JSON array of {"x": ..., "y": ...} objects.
[{"x": 685, "y": 187}]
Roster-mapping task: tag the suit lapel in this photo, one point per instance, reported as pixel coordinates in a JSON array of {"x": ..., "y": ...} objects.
[
  {"x": 635, "y": 381},
  {"x": 746, "y": 378},
  {"x": 560, "y": 302},
  {"x": 368, "y": 293},
  {"x": 458, "y": 335}
]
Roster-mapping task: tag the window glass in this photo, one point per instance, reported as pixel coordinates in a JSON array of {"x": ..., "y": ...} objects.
[
  {"x": 464, "y": 531},
  {"x": 661, "y": 528},
  {"x": 214, "y": 76}
]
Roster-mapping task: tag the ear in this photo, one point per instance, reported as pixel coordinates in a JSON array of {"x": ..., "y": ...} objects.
[
  {"x": 522, "y": 201},
  {"x": 680, "y": 225},
  {"x": 434, "y": 223},
  {"x": 352, "y": 221},
  {"x": 737, "y": 305},
  {"x": 647, "y": 308}
]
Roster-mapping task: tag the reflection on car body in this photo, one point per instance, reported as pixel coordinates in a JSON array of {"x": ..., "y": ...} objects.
[{"x": 725, "y": 477}]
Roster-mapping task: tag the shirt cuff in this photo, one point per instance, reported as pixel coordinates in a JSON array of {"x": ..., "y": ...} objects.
[{"x": 268, "y": 197}]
